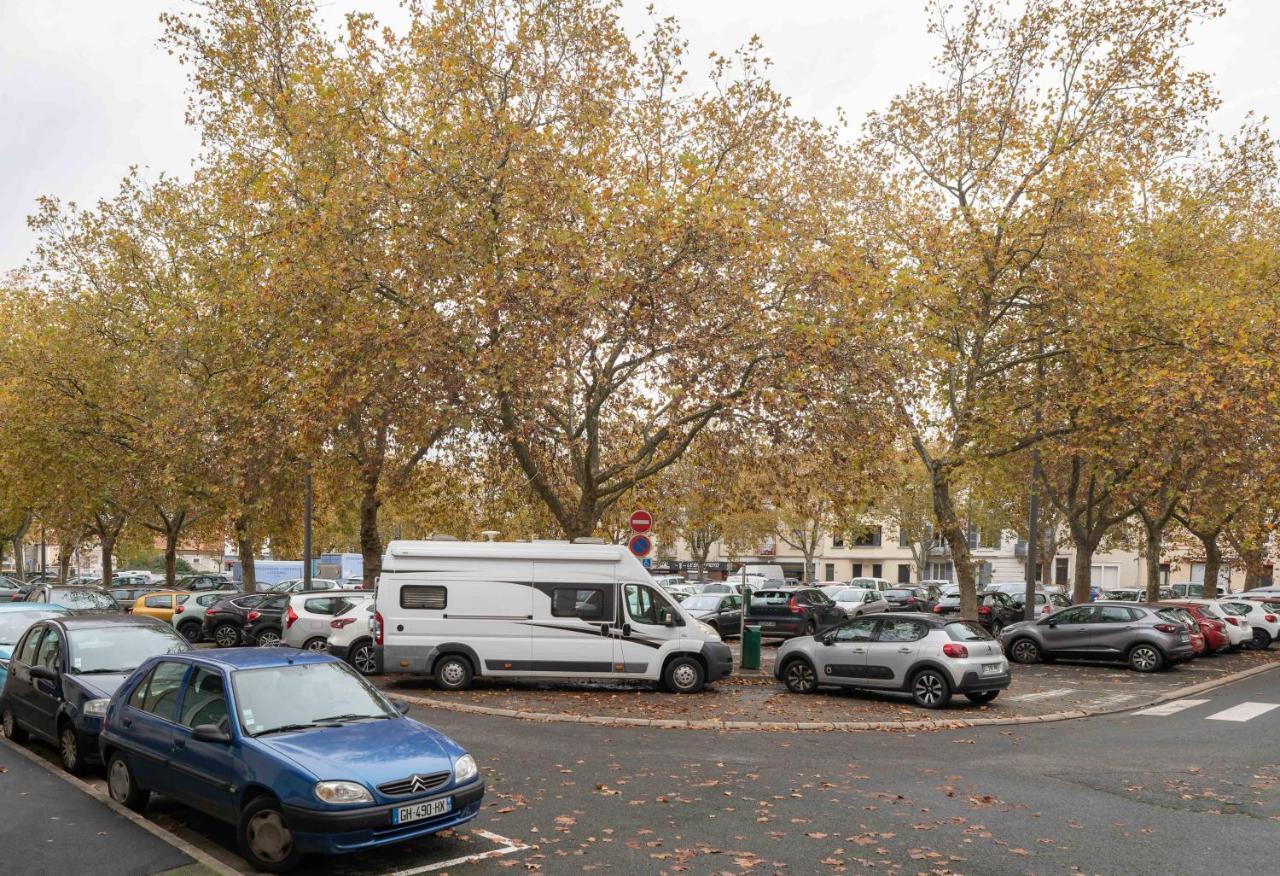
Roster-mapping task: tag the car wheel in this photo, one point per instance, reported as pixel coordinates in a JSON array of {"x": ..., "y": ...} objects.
[
  {"x": 1261, "y": 639},
  {"x": 319, "y": 643},
  {"x": 1024, "y": 651},
  {"x": 264, "y": 837},
  {"x": 362, "y": 658},
  {"x": 996, "y": 626},
  {"x": 800, "y": 677},
  {"x": 69, "y": 749},
  {"x": 810, "y": 627},
  {"x": 124, "y": 790},
  {"x": 453, "y": 673},
  {"x": 982, "y": 697},
  {"x": 226, "y": 636},
  {"x": 190, "y": 632},
  {"x": 684, "y": 675},
  {"x": 12, "y": 729},
  {"x": 268, "y": 638},
  {"x": 1145, "y": 658},
  {"x": 930, "y": 689}
]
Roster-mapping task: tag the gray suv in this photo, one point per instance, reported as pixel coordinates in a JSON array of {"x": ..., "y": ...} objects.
[
  {"x": 1147, "y": 637},
  {"x": 929, "y": 657}
]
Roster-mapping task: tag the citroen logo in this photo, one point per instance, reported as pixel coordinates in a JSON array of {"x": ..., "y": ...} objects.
[{"x": 419, "y": 783}]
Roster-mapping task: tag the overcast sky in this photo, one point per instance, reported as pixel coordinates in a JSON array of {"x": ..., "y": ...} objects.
[{"x": 85, "y": 92}]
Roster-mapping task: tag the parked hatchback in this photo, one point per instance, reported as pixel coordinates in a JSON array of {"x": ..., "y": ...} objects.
[
  {"x": 295, "y": 750},
  {"x": 225, "y": 620},
  {"x": 855, "y": 601},
  {"x": 64, "y": 670},
  {"x": 1145, "y": 636},
  {"x": 351, "y": 638},
  {"x": 784, "y": 613},
  {"x": 75, "y": 598},
  {"x": 720, "y": 611},
  {"x": 159, "y": 605},
  {"x": 188, "y": 617},
  {"x": 307, "y": 616},
  {"x": 929, "y": 657}
]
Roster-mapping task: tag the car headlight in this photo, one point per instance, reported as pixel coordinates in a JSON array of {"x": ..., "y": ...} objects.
[
  {"x": 343, "y": 792},
  {"x": 465, "y": 769},
  {"x": 95, "y": 708},
  {"x": 709, "y": 631}
]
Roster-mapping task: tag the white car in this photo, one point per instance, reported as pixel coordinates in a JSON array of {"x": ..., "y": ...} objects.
[
  {"x": 294, "y": 585},
  {"x": 351, "y": 637},
  {"x": 306, "y": 618},
  {"x": 854, "y": 601},
  {"x": 880, "y": 584},
  {"x": 1239, "y": 630},
  {"x": 1262, "y": 618}
]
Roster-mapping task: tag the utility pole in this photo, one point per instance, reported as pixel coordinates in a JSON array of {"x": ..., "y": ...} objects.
[{"x": 306, "y": 535}]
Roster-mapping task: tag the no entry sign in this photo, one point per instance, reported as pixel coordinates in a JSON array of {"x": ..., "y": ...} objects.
[
  {"x": 641, "y": 521},
  {"x": 640, "y": 545}
]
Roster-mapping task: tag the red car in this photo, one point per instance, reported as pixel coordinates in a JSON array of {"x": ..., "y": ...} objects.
[{"x": 1213, "y": 631}]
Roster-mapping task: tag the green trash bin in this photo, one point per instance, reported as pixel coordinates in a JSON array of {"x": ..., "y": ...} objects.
[{"x": 751, "y": 648}]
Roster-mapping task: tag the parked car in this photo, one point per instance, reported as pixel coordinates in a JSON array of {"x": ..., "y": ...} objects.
[
  {"x": 133, "y": 579},
  {"x": 995, "y": 609},
  {"x": 1239, "y": 629},
  {"x": 1197, "y": 638},
  {"x": 307, "y": 616},
  {"x": 264, "y": 623},
  {"x": 1147, "y": 637},
  {"x": 855, "y": 601},
  {"x": 1264, "y": 622},
  {"x": 909, "y": 599},
  {"x": 64, "y": 670},
  {"x": 160, "y": 605},
  {"x": 204, "y": 583},
  {"x": 224, "y": 620},
  {"x": 1045, "y": 603},
  {"x": 1213, "y": 629},
  {"x": 1133, "y": 594},
  {"x": 928, "y": 656},
  {"x": 880, "y": 584},
  {"x": 141, "y": 574},
  {"x": 127, "y": 596},
  {"x": 10, "y": 590},
  {"x": 75, "y": 598},
  {"x": 351, "y": 638},
  {"x": 295, "y": 585},
  {"x": 188, "y": 617},
  {"x": 1191, "y": 590},
  {"x": 15, "y": 619},
  {"x": 783, "y": 613},
  {"x": 719, "y": 588},
  {"x": 317, "y": 760},
  {"x": 720, "y": 611}
]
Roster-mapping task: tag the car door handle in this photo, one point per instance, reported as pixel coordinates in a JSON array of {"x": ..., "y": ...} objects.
[
  {"x": 179, "y": 743},
  {"x": 859, "y": 650},
  {"x": 128, "y": 722},
  {"x": 904, "y": 650}
]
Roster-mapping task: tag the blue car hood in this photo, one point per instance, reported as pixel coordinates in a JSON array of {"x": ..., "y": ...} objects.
[
  {"x": 100, "y": 685},
  {"x": 372, "y": 752}
]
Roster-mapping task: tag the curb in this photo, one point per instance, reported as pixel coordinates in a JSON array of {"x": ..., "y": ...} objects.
[{"x": 714, "y": 724}]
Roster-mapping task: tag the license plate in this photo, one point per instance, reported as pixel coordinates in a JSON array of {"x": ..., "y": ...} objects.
[
  {"x": 1186, "y": 637},
  {"x": 419, "y": 811},
  {"x": 766, "y": 624},
  {"x": 990, "y": 668}
]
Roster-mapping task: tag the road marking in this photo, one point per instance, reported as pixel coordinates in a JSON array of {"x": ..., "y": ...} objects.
[
  {"x": 1243, "y": 712},
  {"x": 1165, "y": 709},
  {"x": 508, "y": 846},
  {"x": 1113, "y": 700},
  {"x": 1045, "y": 694}
]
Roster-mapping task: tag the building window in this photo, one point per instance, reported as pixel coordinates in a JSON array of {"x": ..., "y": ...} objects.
[
  {"x": 857, "y": 570},
  {"x": 1061, "y": 569},
  {"x": 904, "y": 573},
  {"x": 869, "y": 537},
  {"x": 829, "y": 572},
  {"x": 902, "y": 537},
  {"x": 837, "y": 540},
  {"x": 877, "y": 570},
  {"x": 975, "y": 537}
]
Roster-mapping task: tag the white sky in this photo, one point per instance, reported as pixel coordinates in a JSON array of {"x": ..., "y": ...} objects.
[{"x": 85, "y": 92}]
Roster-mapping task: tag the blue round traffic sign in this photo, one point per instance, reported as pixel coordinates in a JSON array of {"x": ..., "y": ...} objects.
[{"x": 640, "y": 545}]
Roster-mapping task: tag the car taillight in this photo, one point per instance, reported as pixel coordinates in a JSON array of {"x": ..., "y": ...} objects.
[
  {"x": 290, "y": 618},
  {"x": 1233, "y": 622},
  {"x": 984, "y": 610},
  {"x": 340, "y": 622},
  {"x": 253, "y": 616},
  {"x": 937, "y": 609},
  {"x": 951, "y": 649},
  {"x": 180, "y": 609},
  {"x": 794, "y": 607},
  {"x": 377, "y": 628},
  {"x": 911, "y": 600},
  {"x": 1269, "y": 618},
  {"x": 1167, "y": 628}
]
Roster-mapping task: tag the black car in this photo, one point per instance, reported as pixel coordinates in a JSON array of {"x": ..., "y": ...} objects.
[
  {"x": 63, "y": 672},
  {"x": 251, "y": 619},
  {"x": 910, "y": 599},
  {"x": 781, "y": 614},
  {"x": 995, "y": 610},
  {"x": 720, "y": 611}
]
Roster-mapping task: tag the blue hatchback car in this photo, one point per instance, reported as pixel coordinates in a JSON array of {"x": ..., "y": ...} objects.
[{"x": 294, "y": 748}]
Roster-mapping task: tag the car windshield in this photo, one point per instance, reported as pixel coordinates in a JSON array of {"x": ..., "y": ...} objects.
[
  {"x": 967, "y": 631},
  {"x": 92, "y": 600},
  {"x": 702, "y": 603},
  {"x": 304, "y": 695},
  {"x": 899, "y": 593},
  {"x": 120, "y": 648},
  {"x": 14, "y": 623},
  {"x": 1235, "y": 608}
]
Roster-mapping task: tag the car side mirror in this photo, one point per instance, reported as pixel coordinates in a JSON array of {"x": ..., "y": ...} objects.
[
  {"x": 828, "y": 640},
  {"x": 44, "y": 673},
  {"x": 668, "y": 619},
  {"x": 210, "y": 733},
  {"x": 402, "y": 707}
]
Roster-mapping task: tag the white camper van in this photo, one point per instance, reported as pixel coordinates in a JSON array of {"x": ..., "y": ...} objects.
[{"x": 455, "y": 610}]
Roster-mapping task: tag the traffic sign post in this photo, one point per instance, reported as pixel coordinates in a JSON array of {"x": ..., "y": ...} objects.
[
  {"x": 647, "y": 562},
  {"x": 640, "y": 545},
  {"x": 641, "y": 521}
]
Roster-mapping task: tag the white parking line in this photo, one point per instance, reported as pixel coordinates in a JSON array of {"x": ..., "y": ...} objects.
[
  {"x": 1165, "y": 709},
  {"x": 1045, "y": 694},
  {"x": 508, "y": 846},
  {"x": 1243, "y": 712}
]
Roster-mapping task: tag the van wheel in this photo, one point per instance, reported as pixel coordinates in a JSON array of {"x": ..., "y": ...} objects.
[
  {"x": 124, "y": 790},
  {"x": 264, "y": 837},
  {"x": 684, "y": 675},
  {"x": 12, "y": 729},
  {"x": 453, "y": 673}
]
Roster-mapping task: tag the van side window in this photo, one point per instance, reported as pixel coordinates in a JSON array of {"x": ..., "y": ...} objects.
[
  {"x": 432, "y": 596},
  {"x": 641, "y": 604},
  {"x": 580, "y": 602}
]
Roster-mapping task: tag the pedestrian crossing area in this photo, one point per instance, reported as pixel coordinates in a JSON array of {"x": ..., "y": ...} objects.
[{"x": 1238, "y": 713}]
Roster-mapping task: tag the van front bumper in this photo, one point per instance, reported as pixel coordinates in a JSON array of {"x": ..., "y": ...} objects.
[{"x": 719, "y": 660}]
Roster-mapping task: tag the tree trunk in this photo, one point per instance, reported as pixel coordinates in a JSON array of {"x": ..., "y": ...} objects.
[
  {"x": 1253, "y": 567},
  {"x": 19, "y": 561},
  {"x": 64, "y": 563},
  {"x": 1212, "y": 563},
  {"x": 1083, "y": 586},
  {"x": 957, "y": 536},
  {"x": 370, "y": 540},
  {"x": 245, "y": 547},
  {"x": 108, "y": 541},
  {"x": 1154, "y": 534}
]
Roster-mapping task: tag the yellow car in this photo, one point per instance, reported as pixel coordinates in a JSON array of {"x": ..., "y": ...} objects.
[{"x": 159, "y": 604}]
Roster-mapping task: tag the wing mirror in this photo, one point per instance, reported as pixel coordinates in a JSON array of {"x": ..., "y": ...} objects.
[
  {"x": 44, "y": 673},
  {"x": 668, "y": 619},
  {"x": 828, "y": 639},
  {"x": 402, "y": 707},
  {"x": 210, "y": 733}
]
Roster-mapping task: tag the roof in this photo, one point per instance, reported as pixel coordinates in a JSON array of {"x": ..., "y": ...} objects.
[
  {"x": 76, "y": 621},
  {"x": 505, "y": 550},
  {"x": 257, "y": 658},
  {"x": 930, "y": 619},
  {"x": 33, "y": 606}
]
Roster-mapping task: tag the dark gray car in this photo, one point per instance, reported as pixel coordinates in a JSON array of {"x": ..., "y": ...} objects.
[
  {"x": 1147, "y": 637},
  {"x": 722, "y": 611}
]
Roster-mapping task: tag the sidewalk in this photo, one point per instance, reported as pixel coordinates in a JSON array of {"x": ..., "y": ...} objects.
[{"x": 755, "y": 701}]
